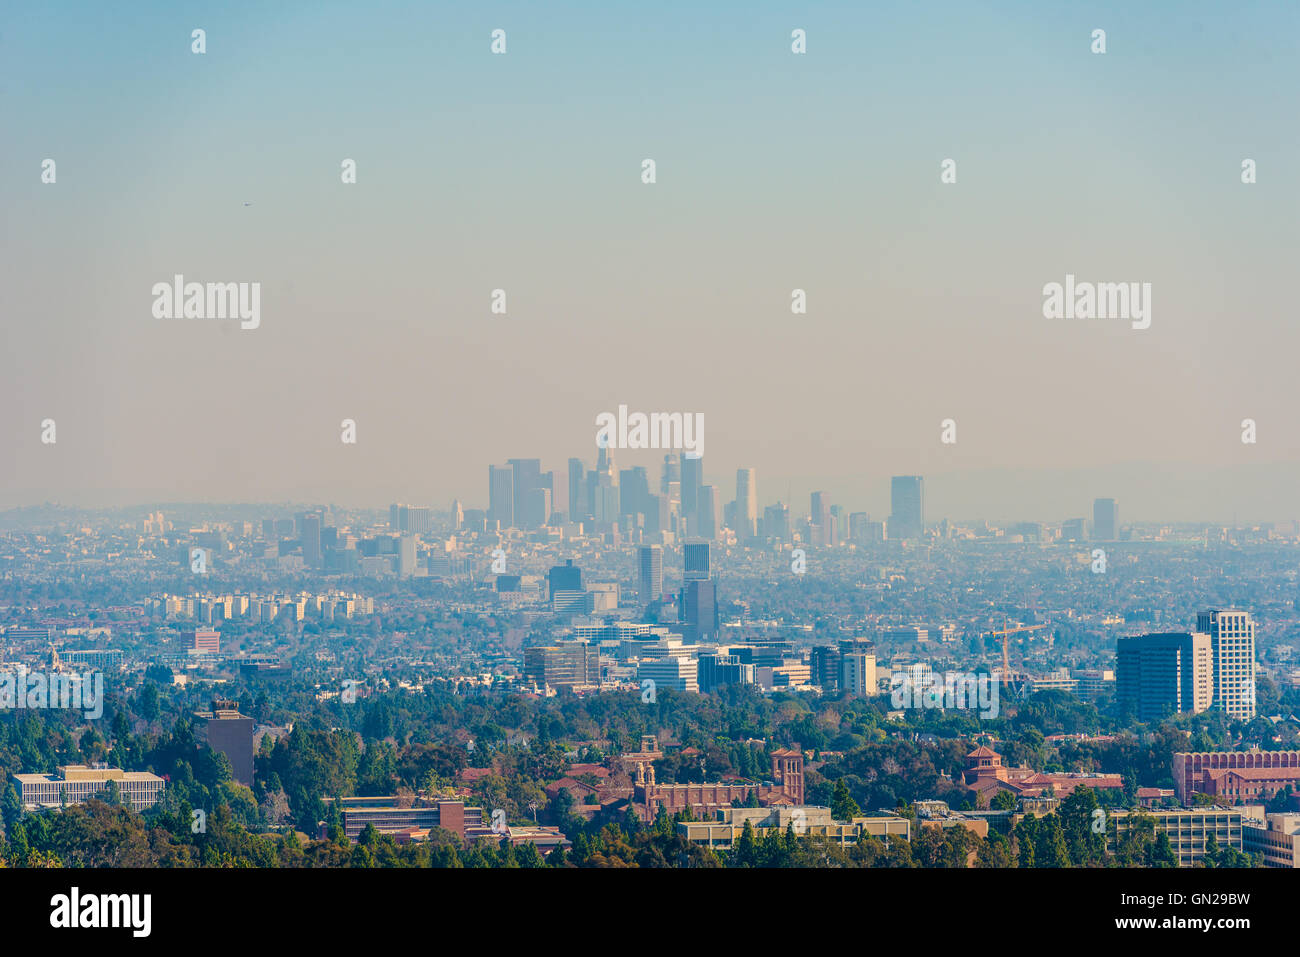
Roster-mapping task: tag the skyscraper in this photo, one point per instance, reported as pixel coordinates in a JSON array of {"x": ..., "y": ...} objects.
[
  {"x": 746, "y": 503},
  {"x": 696, "y": 561},
  {"x": 566, "y": 577},
  {"x": 634, "y": 491},
  {"x": 708, "y": 512},
  {"x": 776, "y": 522},
  {"x": 1166, "y": 674},
  {"x": 650, "y": 573},
  {"x": 311, "y": 553},
  {"x": 501, "y": 495},
  {"x": 528, "y": 476},
  {"x": 1105, "y": 520},
  {"x": 692, "y": 482},
  {"x": 907, "y": 506},
  {"x": 1232, "y": 642},
  {"x": 699, "y": 610},
  {"x": 576, "y": 474}
]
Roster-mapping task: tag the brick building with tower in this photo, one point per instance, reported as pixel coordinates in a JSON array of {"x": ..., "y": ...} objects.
[{"x": 785, "y": 788}]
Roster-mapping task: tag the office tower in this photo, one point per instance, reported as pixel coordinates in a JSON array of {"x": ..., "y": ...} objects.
[
  {"x": 577, "y": 484},
  {"x": 747, "y": 503},
  {"x": 658, "y": 515},
  {"x": 696, "y": 561},
  {"x": 907, "y": 506},
  {"x": 717, "y": 670},
  {"x": 1072, "y": 530},
  {"x": 539, "y": 506},
  {"x": 1164, "y": 674},
  {"x": 699, "y": 610},
  {"x": 820, "y": 509},
  {"x": 858, "y": 673},
  {"x": 1105, "y": 520},
  {"x": 528, "y": 476},
  {"x": 566, "y": 577},
  {"x": 501, "y": 495},
  {"x": 776, "y": 522},
  {"x": 729, "y": 513},
  {"x": 633, "y": 491},
  {"x": 859, "y": 528},
  {"x": 405, "y": 556},
  {"x": 457, "y": 515},
  {"x": 564, "y": 665},
  {"x": 207, "y": 641},
  {"x": 1232, "y": 643},
  {"x": 650, "y": 573},
  {"x": 225, "y": 730},
  {"x": 835, "y": 525},
  {"x": 707, "y": 512},
  {"x": 824, "y": 665},
  {"x": 678, "y": 674},
  {"x": 310, "y": 539},
  {"x": 692, "y": 482},
  {"x": 671, "y": 475}
]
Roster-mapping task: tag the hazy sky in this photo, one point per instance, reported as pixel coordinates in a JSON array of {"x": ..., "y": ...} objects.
[{"x": 775, "y": 172}]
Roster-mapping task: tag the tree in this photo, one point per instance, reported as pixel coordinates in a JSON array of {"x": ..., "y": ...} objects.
[
  {"x": 843, "y": 807},
  {"x": 1003, "y": 801},
  {"x": 746, "y": 851}
]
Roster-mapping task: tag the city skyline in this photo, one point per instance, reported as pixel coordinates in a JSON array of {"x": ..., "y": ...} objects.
[{"x": 924, "y": 298}]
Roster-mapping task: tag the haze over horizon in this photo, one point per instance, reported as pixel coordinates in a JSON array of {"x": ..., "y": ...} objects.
[{"x": 775, "y": 172}]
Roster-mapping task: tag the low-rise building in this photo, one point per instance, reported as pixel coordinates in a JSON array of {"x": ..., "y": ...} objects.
[{"x": 75, "y": 783}]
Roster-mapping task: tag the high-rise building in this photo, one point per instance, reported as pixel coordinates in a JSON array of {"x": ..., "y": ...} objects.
[
  {"x": 501, "y": 495},
  {"x": 405, "y": 556},
  {"x": 907, "y": 506},
  {"x": 1232, "y": 642},
  {"x": 776, "y": 522},
  {"x": 692, "y": 482},
  {"x": 650, "y": 573},
  {"x": 820, "y": 509},
  {"x": 224, "y": 729},
  {"x": 699, "y": 610},
  {"x": 634, "y": 491},
  {"x": 539, "y": 507},
  {"x": 564, "y": 665},
  {"x": 566, "y": 577},
  {"x": 1105, "y": 520},
  {"x": 577, "y": 508},
  {"x": 1164, "y": 674},
  {"x": 746, "y": 503},
  {"x": 858, "y": 673},
  {"x": 708, "y": 512},
  {"x": 527, "y": 476},
  {"x": 311, "y": 553},
  {"x": 696, "y": 561}
]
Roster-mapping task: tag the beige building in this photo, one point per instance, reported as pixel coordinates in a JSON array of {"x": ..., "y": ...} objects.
[
  {"x": 75, "y": 783},
  {"x": 1188, "y": 830},
  {"x": 805, "y": 820},
  {"x": 1277, "y": 838}
]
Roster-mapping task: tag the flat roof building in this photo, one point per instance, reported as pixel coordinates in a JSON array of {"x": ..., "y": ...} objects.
[{"x": 75, "y": 783}]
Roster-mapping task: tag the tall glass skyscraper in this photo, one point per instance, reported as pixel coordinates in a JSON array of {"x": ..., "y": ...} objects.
[{"x": 907, "y": 506}]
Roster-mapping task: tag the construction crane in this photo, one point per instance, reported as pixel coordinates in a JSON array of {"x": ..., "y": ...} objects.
[{"x": 1003, "y": 634}]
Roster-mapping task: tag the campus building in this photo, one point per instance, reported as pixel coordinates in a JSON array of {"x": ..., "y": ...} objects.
[
  {"x": 1256, "y": 775},
  {"x": 75, "y": 783},
  {"x": 785, "y": 788},
  {"x": 1188, "y": 830}
]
